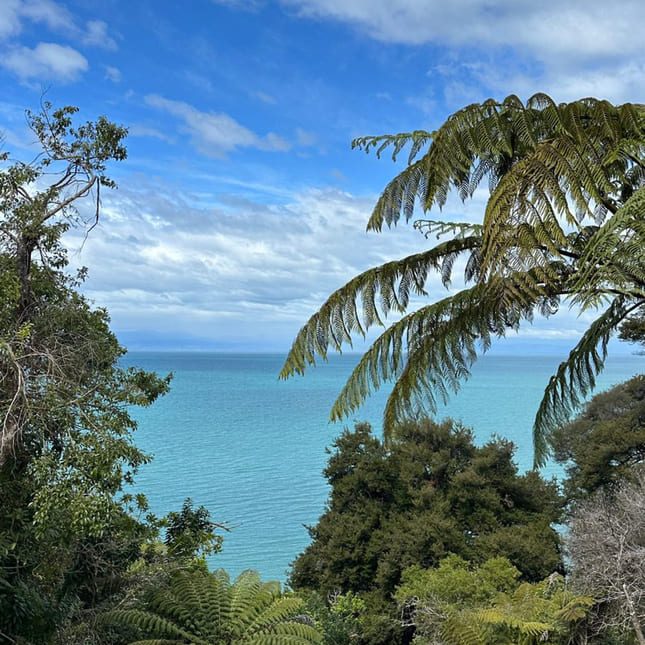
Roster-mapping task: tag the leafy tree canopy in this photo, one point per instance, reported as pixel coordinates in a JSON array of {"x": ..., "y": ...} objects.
[
  {"x": 340, "y": 618},
  {"x": 67, "y": 530},
  {"x": 191, "y": 532},
  {"x": 563, "y": 221},
  {"x": 458, "y": 582},
  {"x": 602, "y": 446},
  {"x": 459, "y": 603},
  {"x": 429, "y": 493}
]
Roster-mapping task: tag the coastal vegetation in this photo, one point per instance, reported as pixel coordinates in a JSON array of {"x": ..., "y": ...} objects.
[
  {"x": 426, "y": 537},
  {"x": 445, "y": 542},
  {"x": 68, "y": 530},
  {"x": 429, "y": 493},
  {"x": 459, "y": 603}
]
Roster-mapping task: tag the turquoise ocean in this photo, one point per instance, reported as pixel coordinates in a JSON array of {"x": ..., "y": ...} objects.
[{"x": 251, "y": 448}]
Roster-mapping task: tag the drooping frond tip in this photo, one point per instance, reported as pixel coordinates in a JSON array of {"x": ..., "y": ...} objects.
[
  {"x": 418, "y": 139},
  {"x": 574, "y": 379},
  {"x": 430, "y": 351}
]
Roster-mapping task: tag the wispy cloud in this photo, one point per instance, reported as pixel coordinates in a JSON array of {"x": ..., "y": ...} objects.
[
  {"x": 46, "y": 61},
  {"x": 138, "y": 130},
  {"x": 573, "y": 49},
  {"x": 241, "y": 265},
  {"x": 112, "y": 74},
  {"x": 549, "y": 30},
  {"x": 14, "y": 12},
  {"x": 96, "y": 35},
  {"x": 265, "y": 98},
  {"x": 305, "y": 138},
  {"x": 216, "y": 133},
  {"x": 466, "y": 81}
]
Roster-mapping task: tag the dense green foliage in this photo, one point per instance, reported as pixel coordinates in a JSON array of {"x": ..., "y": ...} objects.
[
  {"x": 67, "y": 531},
  {"x": 632, "y": 330},
  {"x": 190, "y": 532},
  {"x": 340, "y": 618},
  {"x": 605, "y": 442},
  {"x": 425, "y": 535},
  {"x": 459, "y": 603},
  {"x": 563, "y": 220},
  {"x": 429, "y": 493},
  {"x": 444, "y": 543},
  {"x": 206, "y": 609}
]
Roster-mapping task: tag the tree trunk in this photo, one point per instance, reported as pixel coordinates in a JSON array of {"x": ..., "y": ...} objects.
[{"x": 26, "y": 247}]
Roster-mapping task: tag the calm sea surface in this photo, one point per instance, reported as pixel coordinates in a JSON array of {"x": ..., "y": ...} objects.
[{"x": 251, "y": 448}]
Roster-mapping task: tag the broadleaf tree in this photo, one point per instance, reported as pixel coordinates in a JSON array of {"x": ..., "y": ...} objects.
[
  {"x": 430, "y": 493},
  {"x": 459, "y": 602},
  {"x": 604, "y": 446},
  {"x": 562, "y": 224},
  {"x": 67, "y": 528}
]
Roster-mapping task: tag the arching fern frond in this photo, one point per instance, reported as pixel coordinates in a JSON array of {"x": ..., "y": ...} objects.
[
  {"x": 576, "y": 609},
  {"x": 430, "y": 351},
  {"x": 519, "y": 624},
  {"x": 354, "y": 308},
  {"x": 564, "y": 220},
  {"x": 418, "y": 139},
  {"x": 440, "y": 228},
  {"x": 613, "y": 256},
  {"x": 458, "y": 630},
  {"x": 205, "y": 608},
  {"x": 153, "y": 624},
  {"x": 577, "y": 142},
  {"x": 575, "y": 378}
]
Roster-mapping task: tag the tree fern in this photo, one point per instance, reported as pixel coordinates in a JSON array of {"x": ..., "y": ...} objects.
[
  {"x": 205, "y": 608},
  {"x": 459, "y": 630},
  {"x": 564, "y": 220}
]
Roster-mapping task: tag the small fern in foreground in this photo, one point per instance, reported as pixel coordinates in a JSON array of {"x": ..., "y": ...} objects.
[{"x": 205, "y": 608}]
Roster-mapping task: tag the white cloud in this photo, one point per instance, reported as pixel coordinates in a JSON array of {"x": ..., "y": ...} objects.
[
  {"x": 46, "y": 61},
  {"x": 237, "y": 265},
  {"x": 10, "y": 18},
  {"x": 144, "y": 131},
  {"x": 265, "y": 98},
  {"x": 617, "y": 82},
  {"x": 96, "y": 35},
  {"x": 49, "y": 60},
  {"x": 14, "y": 12},
  {"x": 549, "y": 30},
  {"x": 216, "y": 133},
  {"x": 54, "y": 15},
  {"x": 112, "y": 74},
  {"x": 305, "y": 138},
  {"x": 162, "y": 265}
]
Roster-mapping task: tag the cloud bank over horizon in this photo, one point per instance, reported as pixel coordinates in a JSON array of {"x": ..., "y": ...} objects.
[{"x": 241, "y": 206}]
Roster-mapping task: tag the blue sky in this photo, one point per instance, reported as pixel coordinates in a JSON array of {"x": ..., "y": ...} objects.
[{"x": 241, "y": 205}]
